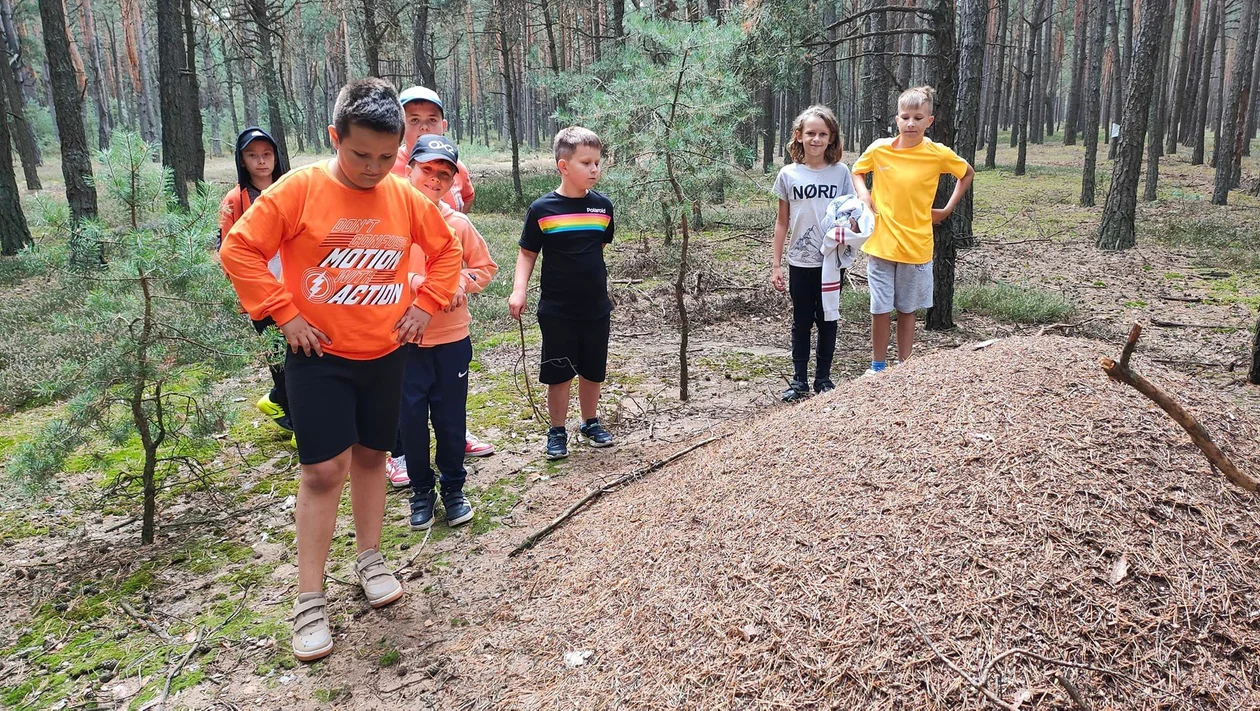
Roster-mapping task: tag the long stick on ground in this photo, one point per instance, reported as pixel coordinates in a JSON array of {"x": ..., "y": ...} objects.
[
  {"x": 532, "y": 539},
  {"x": 529, "y": 390},
  {"x": 1121, "y": 373}
]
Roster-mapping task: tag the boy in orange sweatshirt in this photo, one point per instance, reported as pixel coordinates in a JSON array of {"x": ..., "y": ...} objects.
[
  {"x": 345, "y": 230},
  {"x": 435, "y": 385}
]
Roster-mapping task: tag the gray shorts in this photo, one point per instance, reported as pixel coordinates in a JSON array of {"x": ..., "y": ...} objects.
[{"x": 905, "y": 287}]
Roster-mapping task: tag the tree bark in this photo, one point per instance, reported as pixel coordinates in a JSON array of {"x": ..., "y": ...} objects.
[
  {"x": 76, "y": 161},
  {"x": 1092, "y": 102},
  {"x": 1080, "y": 44},
  {"x": 1250, "y": 128},
  {"x": 92, "y": 46},
  {"x": 14, "y": 233},
  {"x": 1218, "y": 107},
  {"x": 1116, "y": 230},
  {"x": 618, "y": 26},
  {"x": 1253, "y": 375},
  {"x": 21, "y": 69},
  {"x": 945, "y": 246},
  {"x": 1199, "y": 127},
  {"x": 193, "y": 131},
  {"x": 260, "y": 13},
  {"x": 995, "y": 99},
  {"x": 974, "y": 18},
  {"x": 371, "y": 38},
  {"x": 138, "y": 61},
  {"x": 1180, "y": 78},
  {"x": 174, "y": 111},
  {"x": 1233, "y": 127},
  {"x": 18, "y": 127},
  {"x": 1023, "y": 114},
  {"x": 422, "y": 57},
  {"x": 506, "y": 26},
  {"x": 1155, "y": 116}
]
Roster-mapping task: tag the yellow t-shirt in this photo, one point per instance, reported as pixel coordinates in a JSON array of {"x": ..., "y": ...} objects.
[{"x": 903, "y": 190}]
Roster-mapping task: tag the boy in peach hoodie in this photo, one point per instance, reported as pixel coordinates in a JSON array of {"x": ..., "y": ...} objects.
[{"x": 435, "y": 386}]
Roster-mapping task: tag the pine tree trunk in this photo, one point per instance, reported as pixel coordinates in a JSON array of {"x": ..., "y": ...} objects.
[
  {"x": 1199, "y": 125},
  {"x": 174, "y": 112},
  {"x": 371, "y": 38},
  {"x": 945, "y": 248},
  {"x": 1249, "y": 130},
  {"x": 230, "y": 73},
  {"x": 193, "y": 132},
  {"x": 1253, "y": 375},
  {"x": 260, "y": 13},
  {"x": 138, "y": 61},
  {"x": 505, "y": 27},
  {"x": 1117, "y": 230},
  {"x": 618, "y": 27},
  {"x": 767, "y": 128},
  {"x": 422, "y": 58},
  {"x": 92, "y": 45},
  {"x": 1080, "y": 44},
  {"x": 1218, "y": 105},
  {"x": 1191, "y": 90},
  {"x": 1180, "y": 79},
  {"x": 1019, "y": 79},
  {"x": 14, "y": 234},
  {"x": 214, "y": 97},
  {"x": 995, "y": 103},
  {"x": 21, "y": 69},
  {"x": 18, "y": 127},
  {"x": 76, "y": 161},
  {"x": 973, "y": 18},
  {"x": 1092, "y": 100},
  {"x": 1233, "y": 128},
  {"x": 1022, "y": 116},
  {"x": 1155, "y": 116}
]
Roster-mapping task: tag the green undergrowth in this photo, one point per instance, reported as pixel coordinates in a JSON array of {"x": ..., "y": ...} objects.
[{"x": 1012, "y": 303}]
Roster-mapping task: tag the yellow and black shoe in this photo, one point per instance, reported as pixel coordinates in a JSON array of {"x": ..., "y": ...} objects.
[{"x": 277, "y": 414}]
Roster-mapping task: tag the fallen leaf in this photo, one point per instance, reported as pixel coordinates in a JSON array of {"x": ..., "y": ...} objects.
[
  {"x": 577, "y": 659},
  {"x": 751, "y": 631},
  {"x": 1119, "y": 569},
  {"x": 984, "y": 344}
]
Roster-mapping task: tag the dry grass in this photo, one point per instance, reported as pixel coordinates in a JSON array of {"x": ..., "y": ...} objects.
[{"x": 1005, "y": 498}]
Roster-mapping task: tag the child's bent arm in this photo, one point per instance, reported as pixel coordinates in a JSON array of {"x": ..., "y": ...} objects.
[
  {"x": 520, "y": 283},
  {"x": 780, "y": 236},
  {"x": 960, "y": 188},
  {"x": 859, "y": 188},
  {"x": 479, "y": 267}
]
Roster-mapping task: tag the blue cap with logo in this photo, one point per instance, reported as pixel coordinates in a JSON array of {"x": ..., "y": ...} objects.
[
  {"x": 432, "y": 146},
  {"x": 420, "y": 93}
]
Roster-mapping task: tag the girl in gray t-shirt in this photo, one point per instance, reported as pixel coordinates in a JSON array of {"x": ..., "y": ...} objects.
[{"x": 805, "y": 187}]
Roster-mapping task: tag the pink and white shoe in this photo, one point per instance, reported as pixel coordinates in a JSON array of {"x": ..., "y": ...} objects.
[
  {"x": 474, "y": 447},
  {"x": 396, "y": 472}
]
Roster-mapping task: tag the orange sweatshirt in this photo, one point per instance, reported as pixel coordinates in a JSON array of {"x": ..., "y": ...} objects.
[
  {"x": 479, "y": 269},
  {"x": 341, "y": 250}
]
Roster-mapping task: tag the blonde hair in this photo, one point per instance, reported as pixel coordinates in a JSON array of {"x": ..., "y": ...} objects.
[
  {"x": 567, "y": 140},
  {"x": 835, "y": 149},
  {"x": 916, "y": 96}
]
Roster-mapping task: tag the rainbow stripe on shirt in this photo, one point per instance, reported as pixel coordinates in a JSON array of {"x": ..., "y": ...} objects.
[{"x": 573, "y": 222}]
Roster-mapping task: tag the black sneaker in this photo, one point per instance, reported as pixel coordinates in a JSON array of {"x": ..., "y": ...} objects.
[
  {"x": 797, "y": 390},
  {"x": 557, "y": 443},
  {"x": 422, "y": 504},
  {"x": 458, "y": 510},
  {"x": 822, "y": 386},
  {"x": 595, "y": 433}
]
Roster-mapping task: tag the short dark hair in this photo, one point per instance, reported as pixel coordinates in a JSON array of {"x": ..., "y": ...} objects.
[
  {"x": 371, "y": 103},
  {"x": 568, "y": 139}
]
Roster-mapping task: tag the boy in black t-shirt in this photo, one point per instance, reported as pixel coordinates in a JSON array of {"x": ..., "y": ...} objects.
[{"x": 572, "y": 225}]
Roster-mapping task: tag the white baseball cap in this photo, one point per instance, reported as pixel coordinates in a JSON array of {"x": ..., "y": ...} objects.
[{"x": 421, "y": 93}]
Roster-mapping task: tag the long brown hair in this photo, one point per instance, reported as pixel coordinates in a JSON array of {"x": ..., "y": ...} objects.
[{"x": 835, "y": 149}]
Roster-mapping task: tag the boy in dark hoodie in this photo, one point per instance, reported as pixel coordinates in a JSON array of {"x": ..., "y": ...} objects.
[{"x": 258, "y": 164}]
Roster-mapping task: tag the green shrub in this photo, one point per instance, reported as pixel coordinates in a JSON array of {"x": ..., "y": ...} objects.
[{"x": 1011, "y": 302}]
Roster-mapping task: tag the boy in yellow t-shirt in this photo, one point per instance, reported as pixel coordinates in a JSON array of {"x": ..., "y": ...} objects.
[{"x": 906, "y": 171}]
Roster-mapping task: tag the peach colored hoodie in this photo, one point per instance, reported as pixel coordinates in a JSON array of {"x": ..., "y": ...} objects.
[{"x": 478, "y": 270}]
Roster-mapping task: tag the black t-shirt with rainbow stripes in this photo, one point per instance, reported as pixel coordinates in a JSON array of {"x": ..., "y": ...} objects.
[{"x": 570, "y": 233}]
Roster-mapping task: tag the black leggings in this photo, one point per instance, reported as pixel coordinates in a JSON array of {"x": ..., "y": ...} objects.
[{"x": 805, "y": 288}]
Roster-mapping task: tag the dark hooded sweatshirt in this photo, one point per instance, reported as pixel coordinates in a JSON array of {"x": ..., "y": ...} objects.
[{"x": 243, "y": 194}]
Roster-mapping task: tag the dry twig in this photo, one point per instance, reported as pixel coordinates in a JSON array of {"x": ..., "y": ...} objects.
[
  {"x": 532, "y": 539},
  {"x": 1121, "y": 373}
]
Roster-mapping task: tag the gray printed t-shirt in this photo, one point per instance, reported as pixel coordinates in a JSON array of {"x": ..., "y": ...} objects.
[{"x": 808, "y": 192}]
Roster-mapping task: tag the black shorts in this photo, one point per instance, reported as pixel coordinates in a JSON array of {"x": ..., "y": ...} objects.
[
  {"x": 571, "y": 347},
  {"x": 336, "y": 402}
]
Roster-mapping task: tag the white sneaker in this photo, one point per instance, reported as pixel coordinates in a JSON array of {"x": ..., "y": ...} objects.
[
  {"x": 311, "y": 637},
  {"x": 379, "y": 585},
  {"x": 396, "y": 471}
]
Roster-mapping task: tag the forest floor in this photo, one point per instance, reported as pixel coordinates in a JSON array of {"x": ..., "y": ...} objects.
[{"x": 89, "y": 617}]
